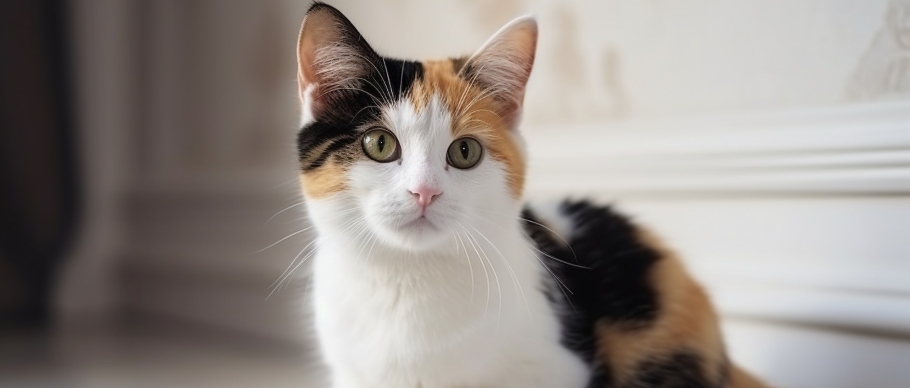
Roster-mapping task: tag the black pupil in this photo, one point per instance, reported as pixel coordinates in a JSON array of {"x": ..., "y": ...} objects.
[
  {"x": 464, "y": 149},
  {"x": 381, "y": 143}
]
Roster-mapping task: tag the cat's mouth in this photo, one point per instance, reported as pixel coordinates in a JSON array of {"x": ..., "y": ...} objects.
[
  {"x": 418, "y": 232},
  {"x": 421, "y": 223}
]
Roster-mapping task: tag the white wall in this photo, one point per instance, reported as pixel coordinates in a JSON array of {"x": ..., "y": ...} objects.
[{"x": 615, "y": 59}]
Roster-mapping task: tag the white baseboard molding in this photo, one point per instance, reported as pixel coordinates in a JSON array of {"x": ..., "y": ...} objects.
[{"x": 838, "y": 150}]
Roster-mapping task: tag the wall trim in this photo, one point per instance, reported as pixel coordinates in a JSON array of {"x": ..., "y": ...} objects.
[{"x": 844, "y": 150}]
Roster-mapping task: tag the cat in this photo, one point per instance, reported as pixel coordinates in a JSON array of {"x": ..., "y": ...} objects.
[{"x": 430, "y": 271}]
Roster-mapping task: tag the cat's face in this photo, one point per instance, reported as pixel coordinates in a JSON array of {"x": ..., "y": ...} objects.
[{"x": 412, "y": 152}]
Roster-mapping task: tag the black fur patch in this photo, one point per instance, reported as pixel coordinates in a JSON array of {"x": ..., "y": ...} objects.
[
  {"x": 612, "y": 287},
  {"x": 342, "y": 114},
  {"x": 599, "y": 378}
]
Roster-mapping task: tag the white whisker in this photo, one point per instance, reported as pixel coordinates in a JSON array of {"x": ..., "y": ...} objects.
[
  {"x": 468, "y": 257},
  {"x": 556, "y": 278},
  {"x": 492, "y": 269},
  {"x": 485, "y": 273},
  {"x": 285, "y": 238},
  {"x": 290, "y": 271},
  {"x": 509, "y": 267},
  {"x": 282, "y": 211}
]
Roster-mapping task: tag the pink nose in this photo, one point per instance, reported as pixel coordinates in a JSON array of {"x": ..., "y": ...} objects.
[{"x": 425, "y": 195}]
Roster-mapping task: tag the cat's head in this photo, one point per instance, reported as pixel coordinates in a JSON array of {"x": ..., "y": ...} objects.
[{"x": 412, "y": 151}]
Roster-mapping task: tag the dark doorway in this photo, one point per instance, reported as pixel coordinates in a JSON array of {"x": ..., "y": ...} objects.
[{"x": 38, "y": 199}]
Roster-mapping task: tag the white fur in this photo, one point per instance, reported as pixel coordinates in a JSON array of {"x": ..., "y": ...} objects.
[
  {"x": 456, "y": 305},
  {"x": 553, "y": 219}
]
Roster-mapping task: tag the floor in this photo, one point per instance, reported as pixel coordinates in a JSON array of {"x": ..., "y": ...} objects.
[
  {"x": 150, "y": 358},
  {"x": 785, "y": 355}
]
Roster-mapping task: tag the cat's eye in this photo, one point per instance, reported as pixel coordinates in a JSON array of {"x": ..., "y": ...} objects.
[
  {"x": 381, "y": 146},
  {"x": 464, "y": 153}
]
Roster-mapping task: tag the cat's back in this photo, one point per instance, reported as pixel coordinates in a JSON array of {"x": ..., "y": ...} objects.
[{"x": 627, "y": 305}]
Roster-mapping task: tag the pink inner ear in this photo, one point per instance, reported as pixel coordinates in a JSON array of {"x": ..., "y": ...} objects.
[
  {"x": 306, "y": 74},
  {"x": 318, "y": 29}
]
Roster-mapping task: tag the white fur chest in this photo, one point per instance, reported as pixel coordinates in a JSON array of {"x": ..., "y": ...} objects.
[{"x": 443, "y": 321}]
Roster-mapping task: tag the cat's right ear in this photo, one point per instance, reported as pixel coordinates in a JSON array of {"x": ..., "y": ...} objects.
[
  {"x": 503, "y": 65},
  {"x": 331, "y": 55}
]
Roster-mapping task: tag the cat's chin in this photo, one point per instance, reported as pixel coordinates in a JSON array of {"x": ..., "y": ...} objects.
[{"x": 419, "y": 234}]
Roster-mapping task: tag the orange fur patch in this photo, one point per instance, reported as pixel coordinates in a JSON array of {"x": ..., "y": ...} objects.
[
  {"x": 324, "y": 181},
  {"x": 473, "y": 114},
  {"x": 686, "y": 319}
]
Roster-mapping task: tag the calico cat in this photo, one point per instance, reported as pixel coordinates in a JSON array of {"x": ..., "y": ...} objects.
[{"x": 430, "y": 273}]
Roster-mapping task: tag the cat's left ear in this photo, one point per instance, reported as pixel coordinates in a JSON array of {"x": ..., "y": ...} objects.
[{"x": 503, "y": 65}]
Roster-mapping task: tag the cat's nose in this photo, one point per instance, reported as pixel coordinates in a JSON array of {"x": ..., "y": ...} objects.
[{"x": 425, "y": 194}]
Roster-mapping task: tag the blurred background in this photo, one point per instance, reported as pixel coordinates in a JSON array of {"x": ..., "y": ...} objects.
[{"x": 147, "y": 152}]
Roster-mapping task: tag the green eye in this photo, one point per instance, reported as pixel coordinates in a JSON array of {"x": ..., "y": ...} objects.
[
  {"x": 464, "y": 153},
  {"x": 381, "y": 146}
]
